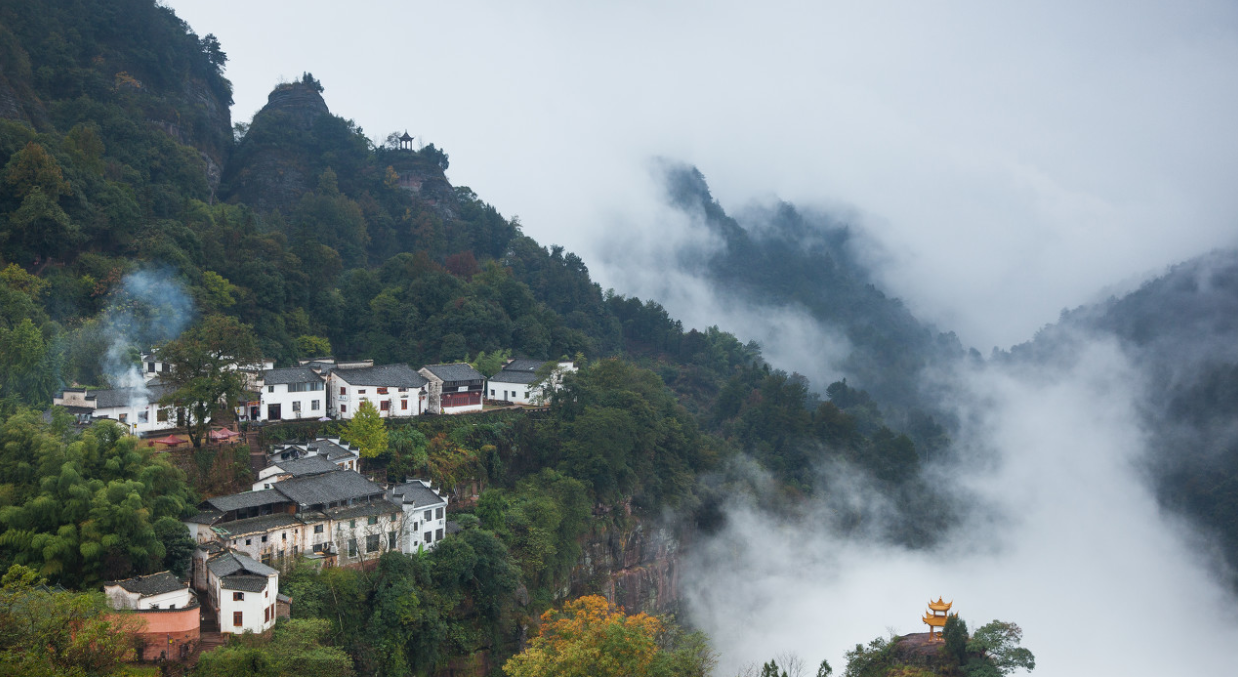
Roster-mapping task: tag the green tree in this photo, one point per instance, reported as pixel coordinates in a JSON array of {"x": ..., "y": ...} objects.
[
  {"x": 207, "y": 369},
  {"x": 296, "y": 648},
  {"x": 490, "y": 364},
  {"x": 313, "y": 346},
  {"x": 50, "y": 632},
  {"x": 825, "y": 670},
  {"x": 998, "y": 642},
  {"x": 367, "y": 430},
  {"x": 955, "y": 636},
  {"x": 28, "y": 365}
]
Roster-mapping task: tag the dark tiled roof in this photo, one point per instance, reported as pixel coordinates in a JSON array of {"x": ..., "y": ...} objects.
[
  {"x": 341, "y": 485},
  {"x": 245, "y": 499},
  {"x": 380, "y": 507},
  {"x": 505, "y": 376},
  {"x": 332, "y": 450},
  {"x": 416, "y": 494},
  {"x": 290, "y": 375},
  {"x": 524, "y": 365},
  {"x": 205, "y": 517},
  {"x": 257, "y": 525},
  {"x": 231, "y": 563},
  {"x": 311, "y": 465},
  {"x": 384, "y": 375},
  {"x": 154, "y": 584},
  {"x": 244, "y": 583},
  {"x": 455, "y": 372},
  {"x": 122, "y": 397}
]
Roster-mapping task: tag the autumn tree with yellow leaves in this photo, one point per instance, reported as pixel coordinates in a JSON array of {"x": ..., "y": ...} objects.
[{"x": 591, "y": 636}]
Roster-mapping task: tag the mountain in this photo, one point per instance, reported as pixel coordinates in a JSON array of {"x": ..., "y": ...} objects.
[{"x": 1180, "y": 330}]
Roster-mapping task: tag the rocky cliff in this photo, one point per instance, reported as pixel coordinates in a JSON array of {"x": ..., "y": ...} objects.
[{"x": 637, "y": 567}]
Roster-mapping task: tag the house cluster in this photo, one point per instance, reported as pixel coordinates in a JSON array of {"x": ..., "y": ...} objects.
[
  {"x": 309, "y": 503},
  {"x": 326, "y": 388}
]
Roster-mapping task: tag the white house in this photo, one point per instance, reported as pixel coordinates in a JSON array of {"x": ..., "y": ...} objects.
[
  {"x": 425, "y": 513},
  {"x": 454, "y": 388},
  {"x": 138, "y": 408},
  {"x": 156, "y": 591},
  {"x": 291, "y": 393},
  {"x": 515, "y": 383},
  {"x": 395, "y": 390},
  {"x": 243, "y": 591}
]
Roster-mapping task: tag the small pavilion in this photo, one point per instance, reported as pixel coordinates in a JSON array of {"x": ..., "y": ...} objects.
[
  {"x": 406, "y": 141},
  {"x": 936, "y": 617}
]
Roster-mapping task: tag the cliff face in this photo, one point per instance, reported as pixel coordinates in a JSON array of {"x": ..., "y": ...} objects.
[
  {"x": 635, "y": 567},
  {"x": 275, "y": 163}
]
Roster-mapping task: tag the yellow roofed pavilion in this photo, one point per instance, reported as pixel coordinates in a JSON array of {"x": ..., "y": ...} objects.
[{"x": 937, "y": 619}]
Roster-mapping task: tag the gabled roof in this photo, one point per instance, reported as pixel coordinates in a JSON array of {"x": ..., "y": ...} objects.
[
  {"x": 506, "y": 376},
  {"x": 154, "y": 584},
  {"x": 205, "y": 517},
  {"x": 520, "y": 364},
  {"x": 383, "y": 375},
  {"x": 113, "y": 398},
  {"x": 256, "y": 525},
  {"x": 458, "y": 371},
  {"x": 245, "y": 499},
  {"x": 300, "y": 467},
  {"x": 333, "y": 450},
  {"x": 342, "y": 485},
  {"x": 290, "y": 375},
  {"x": 416, "y": 494},
  {"x": 230, "y": 563},
  {"x": 243, "y": 583},
  {"x": 381, "y": 507}
]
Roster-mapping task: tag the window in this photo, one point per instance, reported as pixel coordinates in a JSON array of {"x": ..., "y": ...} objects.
[
  {"x": 352, "y": 547},
  {"x": 394, "y": 515},
  {"x": 429, "y": 515},
  {"x": 284, "y": 535},
  {"x": 438, "y": 514},
  {"x": 385, "y": 405},
  {"x": 343, "y": 390},
  {"x": 315, "y": 405},
  {"x": 238, "y": 597},
  {"x": 426, "y": 537},
  {"x": 343, "y": 408},
  {"x": 438, "y": 535},
  {"x": 124, "y": 417},
  {"x": 403, "y": 390},
  {"x": 382, "y": 391},
  {"x": 360, "y": 391},
  {"x": 318, "y": 528},
  {"x": 296, "y": 406},
  {"x": 492, "y": 392},
  {"x": 404, "y": 404},
  {"x": 236, "y": 619},
  {"x": 249, "y": 541},
  {"x": 143, "y": 416},
  {"x": 270, "y": 389},
  {"x": 371, "y": 543},
  {"x": 391, "y": 540},
  {"x": 150, "y": 366},
  {"x": 266, "y": 615},
  {"x": 162, "y": 416},
  {"x": 373, "y": 519},
  {"x": 264, "y": 539}
]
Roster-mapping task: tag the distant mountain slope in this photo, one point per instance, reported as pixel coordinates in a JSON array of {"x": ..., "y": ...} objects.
[
  {"x": 1181, "y": 330},
  {"x": 781, "y": 256}
]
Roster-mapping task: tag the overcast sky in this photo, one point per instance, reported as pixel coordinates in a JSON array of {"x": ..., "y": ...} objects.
[{"x": 1013, "y": 160}]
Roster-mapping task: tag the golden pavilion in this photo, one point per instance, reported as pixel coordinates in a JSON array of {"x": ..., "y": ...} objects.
[{"x": 940, "y": 611}]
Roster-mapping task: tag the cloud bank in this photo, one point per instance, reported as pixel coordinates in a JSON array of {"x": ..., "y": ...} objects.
[{"x": 1061, "y": 535}]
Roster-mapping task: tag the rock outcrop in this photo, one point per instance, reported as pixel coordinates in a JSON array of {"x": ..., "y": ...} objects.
[{"x": 636, "y": 567}]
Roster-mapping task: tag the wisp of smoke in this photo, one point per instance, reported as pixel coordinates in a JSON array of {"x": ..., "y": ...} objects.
[
  {"x": 1061, "y": 535},
  {"x": 150, "y": 306}
]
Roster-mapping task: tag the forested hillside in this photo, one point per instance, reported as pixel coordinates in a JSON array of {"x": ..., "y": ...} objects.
[{"x": 131, "y": 209}]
